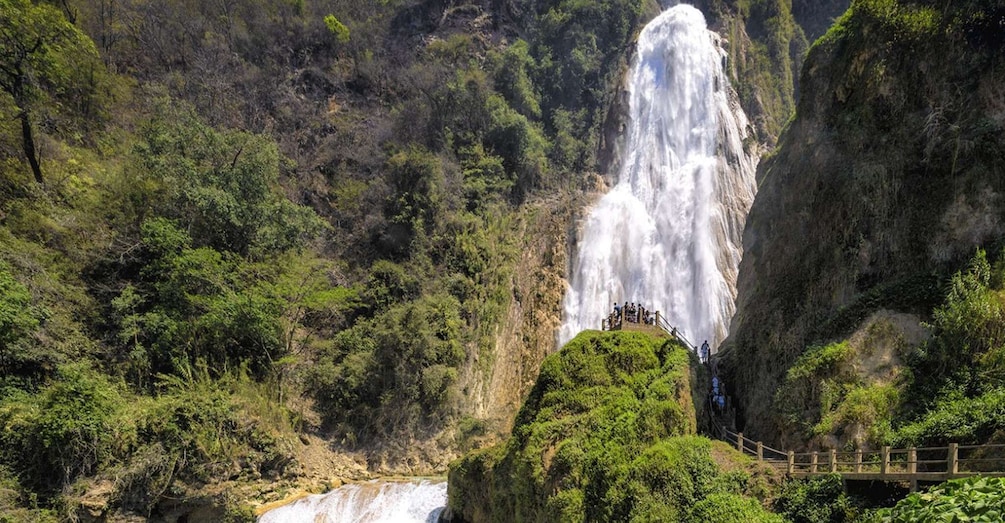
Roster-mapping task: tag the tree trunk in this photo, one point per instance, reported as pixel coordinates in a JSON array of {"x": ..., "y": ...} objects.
[{"x": 28, "y": 142}]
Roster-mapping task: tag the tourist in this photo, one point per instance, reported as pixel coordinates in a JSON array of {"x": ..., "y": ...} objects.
[{"x": 703, "y": 355}]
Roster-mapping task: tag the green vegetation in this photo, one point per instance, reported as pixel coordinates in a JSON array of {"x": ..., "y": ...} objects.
[
  {"x": 257, "y": 213},
  {"x": 951, "y": 390},
  {"x": 904, "y": 21},
  {"x": 337, "y": 28},
  {"x": 578, "y": 50},
  {"x": 607, "y": 435},
  {"x": 85, "y": 424},
  {"x": 957, "y": 393},
  {"x": 970, "y": 499}
]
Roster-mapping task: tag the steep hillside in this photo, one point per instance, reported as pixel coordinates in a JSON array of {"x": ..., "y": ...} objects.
[
  {"x": 340, "y": 225},
  {"x": 886, "y": 181}
]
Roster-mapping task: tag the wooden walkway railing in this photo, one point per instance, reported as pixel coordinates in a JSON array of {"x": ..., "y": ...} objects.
[
  {"x": 914, "y": 464},
  {"x": 934, "y": 464}
]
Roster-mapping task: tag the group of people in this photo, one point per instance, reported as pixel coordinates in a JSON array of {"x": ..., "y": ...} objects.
[
  {"x": 631, "y": 313},
  {"x": 717, "y": 396}
]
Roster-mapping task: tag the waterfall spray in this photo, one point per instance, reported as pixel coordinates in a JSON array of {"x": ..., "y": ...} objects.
[{"x": 668, "y": 235}]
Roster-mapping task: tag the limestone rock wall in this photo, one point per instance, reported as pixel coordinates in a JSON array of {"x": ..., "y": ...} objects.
[{"x": 888, "y": 176}]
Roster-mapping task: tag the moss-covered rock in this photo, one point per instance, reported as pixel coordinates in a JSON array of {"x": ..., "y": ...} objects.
[{"x": 607, "y": 434}]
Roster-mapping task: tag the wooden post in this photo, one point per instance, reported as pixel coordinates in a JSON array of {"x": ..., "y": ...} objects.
[
  {"x": 813, "y": 462},
  {"x": 760, "y": 451},
  {"x": 739, "y": 442},
  {"x": 884, "y": 466},
  {"x": 858, "y": 461},
  {"x": 834, "y": 460},
  {"x": 952, "y": 461},
  {"x": 912, "y": 467},
  {"x": 792, "y": 463},
  {"x": 657, "y": 318}
]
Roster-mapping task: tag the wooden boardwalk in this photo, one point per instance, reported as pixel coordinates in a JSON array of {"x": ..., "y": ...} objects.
[{"x": 914, "y": 464}]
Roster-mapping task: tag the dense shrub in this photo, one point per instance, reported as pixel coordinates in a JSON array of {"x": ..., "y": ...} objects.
[
  {"x": 815, "y": 383},
  {"x": 815, "y": 500},
  {"x": 195, "y": 303},
  {"x": 956, "y": 419},
  {"x": 969, "y": 346},
  {"x": 956, "y": 390},
  {"x": 731, "y": 508},
  {"x": 68, "y": 429},
  {"x": 18, "y": 319},
  {"x": 395, "y": 373},
  {"x": 222, "y": 186}
]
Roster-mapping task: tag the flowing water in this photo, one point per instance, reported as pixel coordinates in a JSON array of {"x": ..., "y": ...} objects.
[
  {"x": 668, "y": 234},
  {"x": 375, "y": 501}
]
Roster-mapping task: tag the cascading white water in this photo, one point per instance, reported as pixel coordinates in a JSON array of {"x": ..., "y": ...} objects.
[
  {"x": 668, "y": 235},
  {"x": 370, "y": 502}
]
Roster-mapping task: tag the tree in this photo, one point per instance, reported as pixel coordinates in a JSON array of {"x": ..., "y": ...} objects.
[{"x": 39, "y": 50}]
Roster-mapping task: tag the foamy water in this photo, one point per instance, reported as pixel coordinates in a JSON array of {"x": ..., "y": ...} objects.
[{"x": 377, "y": 501}]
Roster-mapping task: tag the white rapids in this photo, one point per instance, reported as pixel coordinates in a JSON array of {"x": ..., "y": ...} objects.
[
  {"x": 377, "y": 501},
  {"x": 668, "y": 235}
]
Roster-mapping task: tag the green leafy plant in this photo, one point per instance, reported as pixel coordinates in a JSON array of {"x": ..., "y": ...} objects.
[{"x": 971, "y": 499}]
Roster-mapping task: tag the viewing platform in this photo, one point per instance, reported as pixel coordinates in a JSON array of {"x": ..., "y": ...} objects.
[{"x": 650, "y": 322}]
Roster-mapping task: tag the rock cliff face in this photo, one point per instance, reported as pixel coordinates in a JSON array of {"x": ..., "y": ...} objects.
[
  {"x": 888, "y": 177},
  {"x": 527, "y": 333}
]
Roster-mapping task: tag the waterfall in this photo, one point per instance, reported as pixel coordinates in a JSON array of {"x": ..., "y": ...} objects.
[
  {"x": 668, "y": 234},
  {"x": 370, "y": 502}
]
